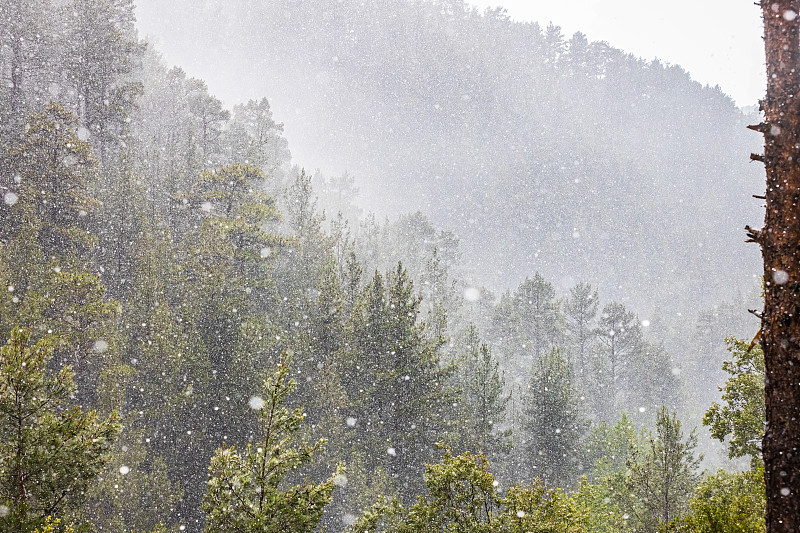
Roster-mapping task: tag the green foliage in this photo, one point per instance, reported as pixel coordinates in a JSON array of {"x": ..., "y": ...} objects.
[
  {"x": 245, "y": 490},
  {"x": 600, "y": 505},
  {"x": 464, "y": 496},
  {"x": 53, "y": 171},
  {"x": 726, "y": 502},
  {"x": 608, "y": 448},
  {"x": 482, "y": 398},
  {"x": 529, "y": 319},
  {"x": 400, "y": 397},
  {"x": 663, "y": 478},
  {"x": 742, "y": 416},
  {"x": 50, "y": 451},
  {"x": 553, "y": 425}
]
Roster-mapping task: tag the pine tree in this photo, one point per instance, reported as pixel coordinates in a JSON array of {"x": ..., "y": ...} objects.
[
  {"x": 392, "y": 374},
  {"x": 48, "y": 247},
  {"x": 53, "y": 171},
  {"x": 483, "y": 399},
  {"x": 581, "y": 311},
  {"x": 663, "y": 478},
  {"x": 245, "y": 490},
  {"x": 620, "y": 336},
  {"x": 552, "y": 426},
  {"x": 529, "y": 321},
  {"x": 27, "y": 31},
  {"x": 254, "y": 138},
  {"x": 50, "y": 451},
  {"x": 100, "y": 52}
]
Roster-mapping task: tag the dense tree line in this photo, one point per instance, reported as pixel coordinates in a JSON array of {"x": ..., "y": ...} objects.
[
  {"x": 161, "y": 257},
  {"x": 543, "y": 149}
]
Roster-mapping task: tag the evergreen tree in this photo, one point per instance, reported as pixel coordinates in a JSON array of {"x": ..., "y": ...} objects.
[
  {"x": 391, "y": 372},
  {"x": 53, "y": 171},
  {"x": 621, "y": 341},
  {"x": 528, "y": 322},
  {"x": 48, "y": 248},
  {"x": 552, "y": 424},
  {"x": 464, "y": 496},
  {"x": 651, "y": 383},
  {"x": 581, "y": 311},
  {"x": 27, "y": 33},
  {"x": 208, "y": 119},
  {"x": 50, "y": 451},
  {"x": 483, "y": 400},
  {"x": 245, "y": 490},
  {"x": 663, "y": 478},
  {"x": 100, "y": 52},
  {"x": 253, "y": 137}
]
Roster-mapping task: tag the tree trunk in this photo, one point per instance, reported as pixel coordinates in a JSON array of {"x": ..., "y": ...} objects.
[{"x": 780, "y": 247}]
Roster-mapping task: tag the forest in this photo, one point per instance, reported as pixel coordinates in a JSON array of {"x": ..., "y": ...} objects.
[{"x": 199, "y": 334}]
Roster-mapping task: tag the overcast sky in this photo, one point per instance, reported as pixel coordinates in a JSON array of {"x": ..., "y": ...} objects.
[{"x": 717, "y": 41}]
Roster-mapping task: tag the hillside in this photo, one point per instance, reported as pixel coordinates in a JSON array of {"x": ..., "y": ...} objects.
[{"x": 542, "y": 152}]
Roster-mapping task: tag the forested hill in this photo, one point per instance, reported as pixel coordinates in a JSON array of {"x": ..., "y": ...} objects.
[{"x": 542, "y": 151}]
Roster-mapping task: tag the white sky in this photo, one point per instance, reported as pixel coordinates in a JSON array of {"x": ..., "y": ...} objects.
[{"x": 717, "y": 41}]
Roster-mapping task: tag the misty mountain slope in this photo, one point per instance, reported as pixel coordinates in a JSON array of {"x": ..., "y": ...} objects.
[{"x": 543, "y": 153}]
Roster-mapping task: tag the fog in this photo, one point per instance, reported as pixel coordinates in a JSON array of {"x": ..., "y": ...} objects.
[
  {"x": 541, "y": 151},
  {"x": 293, "y": 261}
]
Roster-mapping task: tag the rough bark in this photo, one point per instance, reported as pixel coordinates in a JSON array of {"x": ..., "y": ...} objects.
[{"x": 780, "y": 246}]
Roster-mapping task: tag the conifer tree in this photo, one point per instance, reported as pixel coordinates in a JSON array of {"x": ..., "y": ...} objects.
[
  {"x": 49, "y": 247},
  {"x": 26, "y": 28},
  {"x": 53, "y": 171},
  {"x": 581, "y": 311},
  {"x": 529, "y": 320},
  {"x": 245, "y": 489},
  {"x": 663, "y": 478},
  {"x": 620, "y": 343},
  {"x": 483, "y": 399},
  {"x": 253, "y": 137},
  {"x": 553, "y": 426},
  {"x": 392, "y": 374},
  {"x": 100, "y": 52},
  {"x": 50, "y": 451}
]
